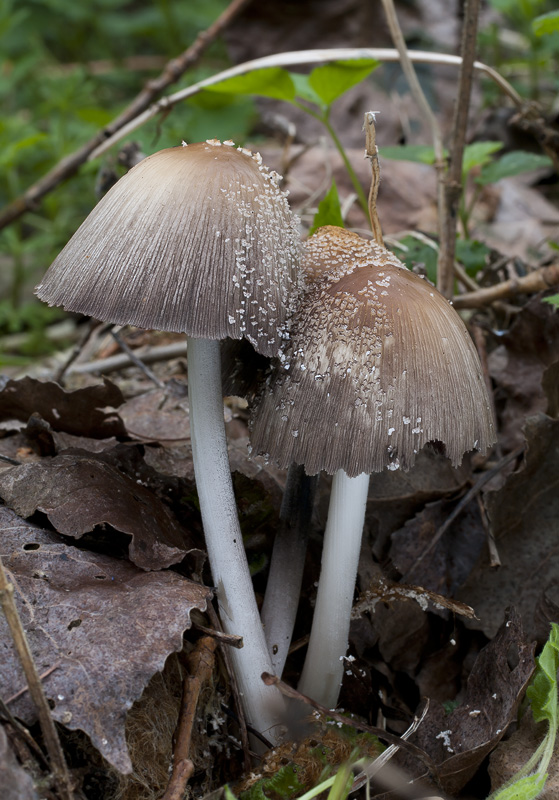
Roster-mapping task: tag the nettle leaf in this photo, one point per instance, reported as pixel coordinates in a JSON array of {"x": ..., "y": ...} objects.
[
  {"x": 332, "y": 80},
  {"x": 329, "y": 211},
  {"x": 478, "y": 154},
  {"x": 510, "y": 164},
  {"x": 546, "y": 23},
  {"x": 421, "y": 153},
  {"x": 270, "y": 82}
]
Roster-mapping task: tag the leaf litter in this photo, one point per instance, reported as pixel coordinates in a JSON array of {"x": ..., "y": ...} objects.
[
  {"x": 96, "y": 483},
  {"x": 104, "y": 625}
]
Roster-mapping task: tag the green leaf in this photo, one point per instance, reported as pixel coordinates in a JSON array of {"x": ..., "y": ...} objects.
[
  {"x": 478, "y": 154},
  {"x": 542, "y": 692},
  {"x": 329, "y": 211},
  {"x": 303, "y": 89},
  {"x": 472, "y": 254},
  {"x": 271, "y": 82},
  {"x": 332, "y": 80},
  {"x": 415, "y": 251},
  {"x": 553, "y": 300},
  {"x": 510, "y": 164},
  {"x": 409, "y": 152},
  {"x": 546, "y": 23},
  {"x": 526, "y": 788}
]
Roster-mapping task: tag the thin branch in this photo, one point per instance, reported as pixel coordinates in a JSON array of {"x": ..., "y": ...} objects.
[
  {"x": 383, "y": 54},
  {"x": 200, "y": 665},
  {"x": 50, "y": 734},
  {"x": 537, "y": 281},
  {"x": 173, "y": 71},
  {"x": 453, "y": 182},
  {"x": 412, "y": 79},
  {"x": 135, "y": 360},
  {"x": 425, "y": 108}
]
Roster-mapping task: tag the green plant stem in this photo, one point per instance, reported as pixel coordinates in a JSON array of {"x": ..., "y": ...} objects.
[
  {"x": 351, "y": 172},
  {"x": 323, "y": 118}
]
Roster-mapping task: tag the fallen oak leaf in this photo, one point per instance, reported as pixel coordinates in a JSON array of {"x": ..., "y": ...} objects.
[
  {"x": 79, "y": 492},
  {"x": 108, "y": 626}
]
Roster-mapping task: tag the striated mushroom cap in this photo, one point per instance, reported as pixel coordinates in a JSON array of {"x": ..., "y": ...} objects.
[
  {"x": 196, "y": 239},
  {"x": 377, "y": 365}
]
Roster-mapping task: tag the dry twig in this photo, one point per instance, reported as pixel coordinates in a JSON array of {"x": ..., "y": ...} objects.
[
  {"x": 453, "y": 179},
  {"x": 173, "y": 71},
  {"x": 537, "y": 281},
  {"x": 52, "y": 742},
  {"x": 200, "y": 664}
]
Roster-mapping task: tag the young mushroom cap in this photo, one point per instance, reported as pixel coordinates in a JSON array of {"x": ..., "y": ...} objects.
[
  {"x": 377, "y": 365},
  {"x": 196, "y": 239}
]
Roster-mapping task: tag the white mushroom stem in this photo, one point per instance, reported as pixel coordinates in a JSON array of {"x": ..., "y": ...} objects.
[
  {"x": 287, "y": 563},
  {"x": 224, "y": 542},
  {"x": 324, "y": 664}
]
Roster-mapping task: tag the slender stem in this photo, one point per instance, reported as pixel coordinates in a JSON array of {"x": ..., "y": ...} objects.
[
  {"x": 323, "y": 669},
  {"x": 371, "y": 151},
  {"x": 323, "y": 118},
  {"x": 351, "y": 172},
  {"x": 283, "y": 589},
  {"x": 453, "y": 182},
  {"x": 224, "y": 541},
  {"x": 48, "y": 728},
  {"x": 386, "y": 54},
  {"x": 425, "y": 108}
]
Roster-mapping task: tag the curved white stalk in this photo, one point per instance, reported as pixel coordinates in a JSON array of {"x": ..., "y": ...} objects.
[
  {"x": 287, "y": 59},
  {"x": 324, "y": 663},
  {"x": 228, "y": 562},
  {"x": 287, "y": 563}
]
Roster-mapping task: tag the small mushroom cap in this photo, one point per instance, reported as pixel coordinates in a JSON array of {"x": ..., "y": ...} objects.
[
  {"x": 377, "y": 365},
  {"x": 195, "y": 239}
]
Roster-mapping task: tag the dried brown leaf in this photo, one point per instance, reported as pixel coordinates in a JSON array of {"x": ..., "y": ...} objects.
[
  {"x": 82, "y": 412},
  {"x": 105, "y": 625},
  {"x": 15, "y": 782},
  {"x": 458, "y": 742},
  {"x": 524, "y": 516},
  {"x": 517, "y": 366},
  {"x": 78, "y": 492},
  {"x": 450, "y": 562},
  {"x": 160, "y": 415}
]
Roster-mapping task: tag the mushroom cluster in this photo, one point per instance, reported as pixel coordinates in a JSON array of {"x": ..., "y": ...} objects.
[
  {"x": 377, "y": 365},
  {"x": 200, "y": 240}
]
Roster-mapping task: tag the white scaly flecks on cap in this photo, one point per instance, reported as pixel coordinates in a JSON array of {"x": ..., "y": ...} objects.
[
  {"x": 195, "y": 239},
  {"x": 377, "y": 365}
]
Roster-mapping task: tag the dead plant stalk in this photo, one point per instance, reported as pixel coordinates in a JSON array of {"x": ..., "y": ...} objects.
[{"x": 52, "y": 742}]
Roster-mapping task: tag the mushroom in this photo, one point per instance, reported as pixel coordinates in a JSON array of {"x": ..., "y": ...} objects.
[
  {"x": 377, "y": 365},
  {"x": 197, "y": 239}
]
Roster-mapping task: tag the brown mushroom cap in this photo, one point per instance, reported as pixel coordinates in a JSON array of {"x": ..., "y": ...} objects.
[
  {"x": 378, "y": 364},
  {"x": 195, "y": 239}
]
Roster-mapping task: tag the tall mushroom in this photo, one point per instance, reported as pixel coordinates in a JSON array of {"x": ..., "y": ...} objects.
[
  {"x": 378, "y": 364},
  {"x": 196, "y": 239}
]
